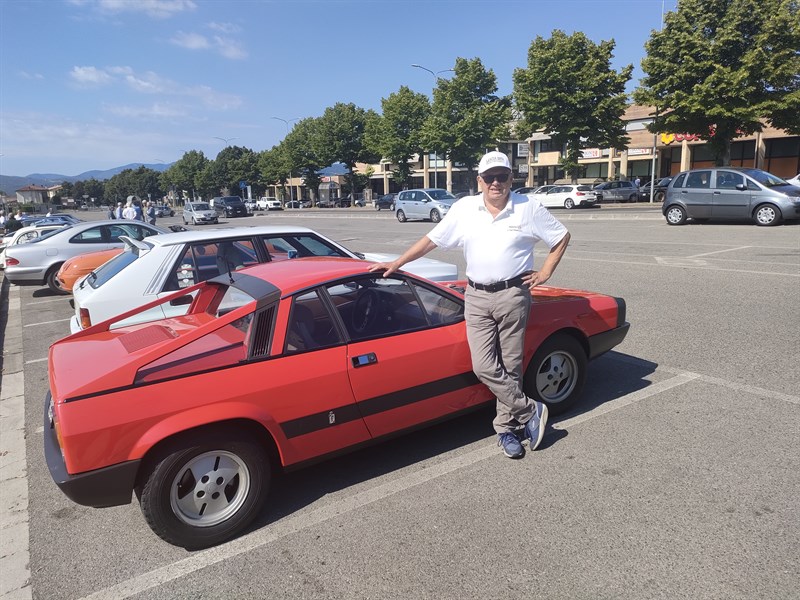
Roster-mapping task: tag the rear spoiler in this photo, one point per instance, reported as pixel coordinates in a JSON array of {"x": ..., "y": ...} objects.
[{"x": 131, "y": 244}]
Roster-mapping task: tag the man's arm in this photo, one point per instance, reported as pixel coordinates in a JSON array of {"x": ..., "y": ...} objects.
[
  {"x": 551, "y": 262},
  {"x": 418, "y": 250}
]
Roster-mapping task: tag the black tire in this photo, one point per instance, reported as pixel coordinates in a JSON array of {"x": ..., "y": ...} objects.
[
  {"x": 52, "y": 281},
  {"x": 171, "y": 496},
  {"x": 569, "y": 204},
  {"x": 659, "y": 196},
  {"x": 557, "y": 373},
  {"x": 436, "y": 216},
  {"x": 185, "y": 222},
  {"x": 633, "y": 198},
  {"x": 401, "y": 216},
  {"x": 194, "y": 221},
  {"x": 766, "y": 215},
  {"x": 675, "y": 215},
  {"x": 377, "y": 206}
]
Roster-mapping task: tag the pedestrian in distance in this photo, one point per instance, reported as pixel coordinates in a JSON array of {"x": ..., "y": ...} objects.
[
  {"x": 2, "y": 219},
  {"x": 111, "y": 213},
  {"x": 638, "y": 182},
  {"x": 118, "y": 211},
  {"x": 12, "y": 224},
  {"x": 129, "y": 212},
  {"x": 497, "y": 231},
  {"x": 151, "y": 213}
]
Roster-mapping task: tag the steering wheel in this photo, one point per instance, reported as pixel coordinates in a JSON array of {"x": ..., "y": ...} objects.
[{"x": 365, "y": 310}]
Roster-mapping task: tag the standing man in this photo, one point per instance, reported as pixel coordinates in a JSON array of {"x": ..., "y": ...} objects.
[
  {"x": 118, "y": 211},
  {"x": 497, "y": 231},
  {"x": 638, "y": 182},
  {"x": 129, "y": 212}
]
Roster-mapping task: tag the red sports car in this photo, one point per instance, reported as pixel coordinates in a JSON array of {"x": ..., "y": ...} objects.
[{"x": 274, "y": 366}]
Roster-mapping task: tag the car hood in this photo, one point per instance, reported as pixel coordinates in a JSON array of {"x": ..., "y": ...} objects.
[
  {"x": 790, "y": 190},
  {"x": 429, "y": 268}
]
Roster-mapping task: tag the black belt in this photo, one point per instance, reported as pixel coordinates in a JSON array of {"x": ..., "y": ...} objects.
[{"x": 500, "y": 285}]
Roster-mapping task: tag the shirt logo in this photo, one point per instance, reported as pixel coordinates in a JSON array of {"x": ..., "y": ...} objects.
[{"x": 515, "y": 227}]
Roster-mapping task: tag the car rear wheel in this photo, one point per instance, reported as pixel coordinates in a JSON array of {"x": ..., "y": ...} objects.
[
  {"x": 633, "y": 198},
  {"x": 435, "y": 216},
  {"x": 557, "y": 373},
  {"x": 52, "y": 280},
  {"x": 659, "y": 196},
  {"x": 401, "y": 216},
  {"x": 569, "y": 204},
  {"x": 767, "y": 215},
  {"x": 203, "y": 490},
  {"x": 675, "y": 215}
]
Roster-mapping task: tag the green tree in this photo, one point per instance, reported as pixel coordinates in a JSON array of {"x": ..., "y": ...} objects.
[
  {"x": 94, "y": 189},
  {"x": 339, "y": 137},
  {"x": 302, "y": 159},
  {"x": 397, "y": 133},
  {"x": 718, "y": 67},
  {"x": 182, "y": 173},
  {"x": 466, "y": 115},
  {"x": 233, "y": 165},
  {"x": 142, "y": 182},
  {"x": 570, "y": 91}
]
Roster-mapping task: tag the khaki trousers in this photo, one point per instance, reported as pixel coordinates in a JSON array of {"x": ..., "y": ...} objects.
[{"x": 496, "y": 334}]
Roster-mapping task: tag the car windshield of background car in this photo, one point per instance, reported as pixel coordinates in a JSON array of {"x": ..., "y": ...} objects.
[
  {"x": 766, "y": 179},
  {"x": 442, "y": 195},
  {"x": 200, "y": 206}
]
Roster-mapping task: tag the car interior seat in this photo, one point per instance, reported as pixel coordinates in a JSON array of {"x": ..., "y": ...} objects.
[{"x": 301, "y": 330}]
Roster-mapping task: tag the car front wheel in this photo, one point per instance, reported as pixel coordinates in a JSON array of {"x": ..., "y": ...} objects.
[
  {"x": 401, "y": 216},
  {"x": 676, "y": 215},
  {"x": 204, "y": 490},
  {"x": 767, "y": 215},
  {"x": 557, "y": 373},
  {"x": 659, "y": 196},
  {"x": 435, "y": 216},
  {"x": 569, "y": 204}
]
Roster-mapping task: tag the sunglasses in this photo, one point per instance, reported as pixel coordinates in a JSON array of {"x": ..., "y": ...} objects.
[{"x": 489, "y": 179}]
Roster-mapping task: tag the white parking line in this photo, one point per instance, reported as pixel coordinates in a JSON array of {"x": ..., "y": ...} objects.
[
  {"x": 719, "y": 251},
  {"x": 50, "y": 301},
  {"x": 45, "y": 323},
  {"x": 35, "y": 360}
]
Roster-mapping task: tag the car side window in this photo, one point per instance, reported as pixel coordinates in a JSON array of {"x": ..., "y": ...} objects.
[
  {"x": 377, "y": 306},
  {"x": 699, "y": 180},
  {"x": 728, "y": 180},
  {"x": 441, "y": 309},
  {"x": 94, "y": 235},
  {"x": 310, "y": 325},
  {"x": 753, "y": 186},
  {"x": 205, "y": 260},
  {"x": 679, "y": 180}
]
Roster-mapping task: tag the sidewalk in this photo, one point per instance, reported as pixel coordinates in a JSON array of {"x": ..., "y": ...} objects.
[{"x": 14, "y": 555}]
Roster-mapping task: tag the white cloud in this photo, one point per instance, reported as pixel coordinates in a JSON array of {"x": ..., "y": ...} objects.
[
  {"x": 158, "y": 9},
  {"x": 229, "y": 48},
  {"x": 153, "y": 112},
  {"x": 26, "y": 75},
  {"x": 228, "y": 28},
  {"x": 89, "y": 76},
  {"x": 149, "y": 83},
  {"x": 190, "y": 41}
]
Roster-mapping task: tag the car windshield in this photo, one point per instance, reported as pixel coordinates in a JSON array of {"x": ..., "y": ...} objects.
[
  {"x": 107, "y": 270},
  {"x": 764, "y": 178},
  {"x": 232, "y": 200},
  {"x": 442, "y": 196},
  {"x": 200, "y": 206},
  {"x": 664, "y": 182}
]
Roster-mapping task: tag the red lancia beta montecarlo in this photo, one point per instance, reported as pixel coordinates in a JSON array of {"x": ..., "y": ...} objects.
[{"x": 275, "y": 366}]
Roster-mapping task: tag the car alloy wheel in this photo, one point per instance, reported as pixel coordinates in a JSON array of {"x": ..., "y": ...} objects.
[
  {"x": 676, "y": 215},
  {"x": 557, "y": 373},
  {"x": 204, "y": 489},
  {"x": 401, "y": 216},
  {"x": 569, "y": 204},
  {"x": 659, "y": 196},
  {"x": 52, "y": 280},
  {"x": 435, "y": 216},
  {"x": 767, "y": 215}
]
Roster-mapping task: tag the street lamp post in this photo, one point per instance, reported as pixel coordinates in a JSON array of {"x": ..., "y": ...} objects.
[
  {"x": 435, "y": 154},
  {"x": 226, "y": 140},
  {"x": 291, "y": 188}
]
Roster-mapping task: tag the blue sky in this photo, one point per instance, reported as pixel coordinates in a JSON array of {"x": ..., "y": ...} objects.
[{"x": 95, "y": 84}]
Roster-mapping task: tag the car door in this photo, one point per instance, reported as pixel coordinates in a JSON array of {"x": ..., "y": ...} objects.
[
  {"x": 407, "y": 356},
  {"x": 728, "y": 201},
  {"x": 696, "y": 194},
  {"x": 554, "y": 196}
]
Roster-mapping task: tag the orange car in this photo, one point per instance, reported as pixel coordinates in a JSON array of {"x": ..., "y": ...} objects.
[{"x": 83, "y": 264}]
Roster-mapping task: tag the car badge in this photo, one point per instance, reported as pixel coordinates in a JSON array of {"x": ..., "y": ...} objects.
[{"x": 331, "y": 418}]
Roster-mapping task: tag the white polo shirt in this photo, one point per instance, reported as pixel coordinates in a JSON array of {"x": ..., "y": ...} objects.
[{"x": 497, "y": 248}]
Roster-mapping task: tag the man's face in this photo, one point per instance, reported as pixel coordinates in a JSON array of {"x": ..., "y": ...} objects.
[{"x": 492, "y": 187}]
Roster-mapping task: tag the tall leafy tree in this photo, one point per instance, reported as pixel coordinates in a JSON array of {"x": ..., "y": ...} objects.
[
  {"x": 302, "y": 159},
  {"x": 142, "y": 182},
  {"x": 182, "y": 173},
  {"x": 718, "y": 67},
  {"x": 467, "y": 116},
  {"x": 339, "y": 137},
  {"x": 233, "y": 165},
  {"x": 397, "y": 133},
  {"x": 570, "y": 91}
]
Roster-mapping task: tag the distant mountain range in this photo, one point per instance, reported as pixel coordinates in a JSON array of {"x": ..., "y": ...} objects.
[{"x": 11, "y": 183}]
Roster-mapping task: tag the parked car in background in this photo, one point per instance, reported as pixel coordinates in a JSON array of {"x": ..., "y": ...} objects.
[
  {"x": 794, "y": 180},
  {"x": 725, "y": 193},
  {"x": 199, "y": 212},
  {"x": 23, "y": 236},
  {"x": 616, "y": 191},
  {"x": 660, "y": 190},
  {"x": 386, "y": 201},
  {"x": 269, "y": 203},
  {"x": 426, "y": 203},
  {"x": 276, "y": 366},
  {"x": 164, "y": 210},
  {"x": 542, "y": 189},
  {"x": 298, "y": 204},
  {"x": 229, "y": 206},
  {"x": 38, "y": 261},
  {"x": 152, "y": 268},
  {"x": 53, "y": 219},
  {"x": 525, "y": 190},
  {"x": 565, "y": 196}
]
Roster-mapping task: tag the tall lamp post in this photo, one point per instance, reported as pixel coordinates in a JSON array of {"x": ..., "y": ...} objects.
[
  {"x": 291, "y": 187},
  {"x": 226, "y": 140},
  {"x": 435, "y": 154}
]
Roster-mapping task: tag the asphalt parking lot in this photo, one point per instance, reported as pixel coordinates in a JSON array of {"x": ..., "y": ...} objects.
[{"x": 677, "y": 477}]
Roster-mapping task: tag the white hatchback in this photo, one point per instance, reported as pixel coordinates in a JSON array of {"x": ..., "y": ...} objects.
[
  {"x": 567, "y": 196},
  {"x": 160, "y": 265}
]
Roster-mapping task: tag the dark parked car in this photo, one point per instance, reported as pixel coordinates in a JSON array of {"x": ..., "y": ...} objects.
[
  {"x": 298, "y": 204},
  {"x": 385, "y": 201},
  {"x": 660, "y": 190},
  {"x": 229, "y": 206},
  {"x": 616, "y": 191},
  {"x": 730, "y": 193}
]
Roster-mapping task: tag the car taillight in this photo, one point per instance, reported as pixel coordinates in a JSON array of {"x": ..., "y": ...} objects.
[
  {"x": 579, "y": 194},
  {"x": 11, "y": 262},
  {"x": 86, "y": 320}
]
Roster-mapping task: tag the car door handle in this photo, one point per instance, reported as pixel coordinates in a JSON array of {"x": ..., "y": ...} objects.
[
  {"x": 362, "y": 360},
  {"x": 684, "y": 192},
  {"x": 717, "y": 193}
]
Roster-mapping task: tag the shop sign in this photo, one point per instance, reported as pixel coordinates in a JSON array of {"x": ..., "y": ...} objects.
[
  {"x": 668, "y": 138},
  {"x": 522, "y": 168},
  {"x": 523, "y": 150},
  {"x": 591, "y": 153},
  {"x": 638, "y": 151}
]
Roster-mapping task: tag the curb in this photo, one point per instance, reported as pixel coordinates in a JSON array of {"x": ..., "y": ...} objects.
[{"x": 14, "y": 522}]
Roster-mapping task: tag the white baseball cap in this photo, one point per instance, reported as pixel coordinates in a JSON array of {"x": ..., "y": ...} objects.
[{"x": 492, "y": 160}]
